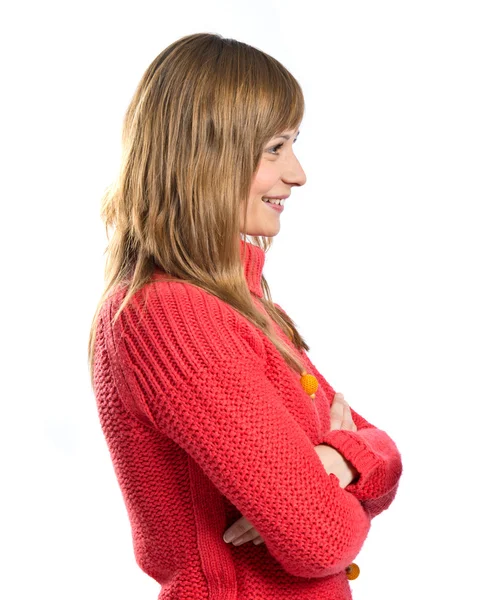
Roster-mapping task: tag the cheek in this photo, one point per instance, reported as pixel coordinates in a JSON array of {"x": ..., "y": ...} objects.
[{"x": 264, "y": 180}]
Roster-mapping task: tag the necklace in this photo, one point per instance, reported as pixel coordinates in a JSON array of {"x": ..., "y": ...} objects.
[{"x": 310, "y": 385}]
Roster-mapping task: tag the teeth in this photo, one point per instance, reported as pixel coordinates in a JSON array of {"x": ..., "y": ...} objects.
[{"x": 282, "y": 201}]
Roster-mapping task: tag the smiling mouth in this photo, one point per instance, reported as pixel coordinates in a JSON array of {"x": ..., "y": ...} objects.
[
  {"x": 274, "y": 202},
  {"x": 277, "y": 208}
]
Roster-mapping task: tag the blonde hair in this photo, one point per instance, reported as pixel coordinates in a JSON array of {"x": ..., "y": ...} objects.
[{"x": 192, "y": 139}]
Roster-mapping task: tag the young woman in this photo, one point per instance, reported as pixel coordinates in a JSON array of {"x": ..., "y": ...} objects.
[{"x": 245, "y": 476}]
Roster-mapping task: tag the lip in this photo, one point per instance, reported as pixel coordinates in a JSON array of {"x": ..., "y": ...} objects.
[
  {"x": 275, "y": 207},
  {"x": 277, "y": 197}
]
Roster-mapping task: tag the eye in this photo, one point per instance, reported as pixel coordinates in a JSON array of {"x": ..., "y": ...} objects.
[{"x": 275, "y": 148}]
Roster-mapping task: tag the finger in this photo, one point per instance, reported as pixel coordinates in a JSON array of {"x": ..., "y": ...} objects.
[
  {"x": 236, "y": 530},
  {"x": 248, "y": 536},
  {"x": 257, "y": 541},
  {"x": 349, "y": 425},
  {"x": 336, "y": 412},
  {"x": 348, "y": 421}
]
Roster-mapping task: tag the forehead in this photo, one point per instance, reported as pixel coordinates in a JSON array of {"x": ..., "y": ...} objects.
[{"x": 287, "y": 134}]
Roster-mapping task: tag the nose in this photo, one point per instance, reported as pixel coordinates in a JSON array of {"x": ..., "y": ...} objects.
[{"x": 293, "y": 173}]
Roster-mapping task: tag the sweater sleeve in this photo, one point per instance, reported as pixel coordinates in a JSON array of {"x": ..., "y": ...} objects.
[
  {"x": 373, "y": 454},
  {"x": 192, "y": 368},
  {"x": 370, "y": 450}
]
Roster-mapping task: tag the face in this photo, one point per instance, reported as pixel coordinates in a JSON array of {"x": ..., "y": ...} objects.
[{"x": 278, "y": 171}]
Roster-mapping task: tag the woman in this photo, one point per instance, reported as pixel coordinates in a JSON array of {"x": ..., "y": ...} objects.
[{"x": 245, "y": 476}]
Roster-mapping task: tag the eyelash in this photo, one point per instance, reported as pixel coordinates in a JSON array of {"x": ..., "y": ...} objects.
[{"x": 278, "y": 147}]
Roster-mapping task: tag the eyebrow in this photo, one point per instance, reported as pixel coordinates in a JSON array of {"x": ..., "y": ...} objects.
[{"x": 286, "y": 137}]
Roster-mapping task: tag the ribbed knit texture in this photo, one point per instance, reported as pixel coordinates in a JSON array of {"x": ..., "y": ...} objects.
[{"x": 205, "y": 422}]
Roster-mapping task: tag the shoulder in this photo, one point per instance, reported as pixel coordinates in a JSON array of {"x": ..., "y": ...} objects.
[
  {"x": 160, "y": 293},
  {"x": 185, "y": 313},
  {"x": 184, "y": 299}
]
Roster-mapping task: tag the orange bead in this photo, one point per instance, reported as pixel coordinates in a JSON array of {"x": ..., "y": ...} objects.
[
  {"x": 309, "y": 383},
  {"x": 352, "y": 571}
]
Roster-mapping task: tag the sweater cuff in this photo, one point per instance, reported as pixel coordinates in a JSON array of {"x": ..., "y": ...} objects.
[{"x": 354, "y": 449}]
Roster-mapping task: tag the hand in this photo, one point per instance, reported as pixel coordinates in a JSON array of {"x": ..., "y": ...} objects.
[
  {"x": 340, "y": 415},
  {"x": 242, "y": 531},
  {"x": 335, "y": 463},
  {"x": 341, "y": 418}
]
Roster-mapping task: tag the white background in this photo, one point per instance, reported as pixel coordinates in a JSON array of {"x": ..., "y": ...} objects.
[{"x": 385, "y": 260}]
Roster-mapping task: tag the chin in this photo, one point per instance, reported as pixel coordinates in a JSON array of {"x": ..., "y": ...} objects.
[{"x": 265, "y": 232}]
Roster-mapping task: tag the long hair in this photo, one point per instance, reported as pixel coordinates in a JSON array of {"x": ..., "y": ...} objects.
[{"x": 192, "y": 139}]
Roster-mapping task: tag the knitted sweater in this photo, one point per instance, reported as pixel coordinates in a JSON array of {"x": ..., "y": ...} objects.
[{"x": 205, "y": 422}]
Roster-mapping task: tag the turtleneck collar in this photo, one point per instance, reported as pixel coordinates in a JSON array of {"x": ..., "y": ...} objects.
[{"x": 253, "y": 265}]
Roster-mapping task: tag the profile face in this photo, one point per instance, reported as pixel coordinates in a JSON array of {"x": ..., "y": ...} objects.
[{"x": 278, "y": 171}]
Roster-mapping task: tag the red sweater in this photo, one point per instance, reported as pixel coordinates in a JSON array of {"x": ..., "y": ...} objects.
[{"x": 205, "y": 422}]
